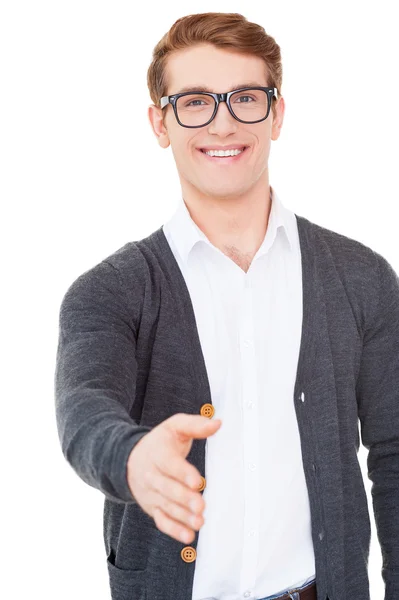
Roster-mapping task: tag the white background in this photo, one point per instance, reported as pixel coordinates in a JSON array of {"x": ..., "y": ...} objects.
[{"x": 82, "y": 174}]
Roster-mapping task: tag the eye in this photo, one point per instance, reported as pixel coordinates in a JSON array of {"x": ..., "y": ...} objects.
[
  {"x": 244, "y": 97},
  {"x": 191, "y": 103}
]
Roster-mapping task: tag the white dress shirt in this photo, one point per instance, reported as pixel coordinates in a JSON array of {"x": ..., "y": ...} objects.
[{"x": 256, "y": 540}]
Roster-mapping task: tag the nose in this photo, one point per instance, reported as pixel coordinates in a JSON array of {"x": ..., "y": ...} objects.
[{"x": 223, "y": 120}]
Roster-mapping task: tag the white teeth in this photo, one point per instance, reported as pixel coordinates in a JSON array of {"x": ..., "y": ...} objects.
[{"x": 223, "y": 152}]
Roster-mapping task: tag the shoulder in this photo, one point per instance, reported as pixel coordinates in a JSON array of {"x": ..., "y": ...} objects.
[
  {"x": 116, "y": 282},
  {"x": 368, "y": 277},
  {"x": 349, "y": 255},
  {"x": 343, "y": 249},
  {"x": 354, "y": 254}
]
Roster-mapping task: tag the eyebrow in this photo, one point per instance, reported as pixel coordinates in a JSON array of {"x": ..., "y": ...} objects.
[{"x": 201, "y": 88}]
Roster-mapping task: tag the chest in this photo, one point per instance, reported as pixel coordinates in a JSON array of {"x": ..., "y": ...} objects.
[{"x": 249, "y": 324}]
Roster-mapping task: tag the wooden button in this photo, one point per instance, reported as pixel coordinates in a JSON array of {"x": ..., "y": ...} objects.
[
  {"x": 207, "y": 410},
  {"x": 188, "y": 554},
  {"x": 202, "y": 484}
]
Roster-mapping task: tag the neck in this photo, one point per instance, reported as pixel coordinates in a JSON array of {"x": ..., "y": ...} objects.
[{"x": 236, "y": 225}]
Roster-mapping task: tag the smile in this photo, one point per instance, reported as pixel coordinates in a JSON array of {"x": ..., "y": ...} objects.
[{"x": 225, "y": 159}]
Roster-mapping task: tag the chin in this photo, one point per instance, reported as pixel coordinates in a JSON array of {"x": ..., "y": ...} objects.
[{"x": 226, "y": 191}]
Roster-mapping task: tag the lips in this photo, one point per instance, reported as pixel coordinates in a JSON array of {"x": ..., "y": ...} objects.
[
  {"x": 207, "y": 148},
  {"x": 225, "y": 160}
]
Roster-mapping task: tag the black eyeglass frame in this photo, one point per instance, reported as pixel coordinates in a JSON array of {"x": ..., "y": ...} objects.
[{"x": 223, "y": 97}]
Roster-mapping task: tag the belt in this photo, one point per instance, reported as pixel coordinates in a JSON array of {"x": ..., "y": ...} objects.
[{"x": 306, "y": 593}]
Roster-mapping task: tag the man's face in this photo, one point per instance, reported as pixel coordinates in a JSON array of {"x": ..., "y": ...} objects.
[{"x": 220, "y": 71}]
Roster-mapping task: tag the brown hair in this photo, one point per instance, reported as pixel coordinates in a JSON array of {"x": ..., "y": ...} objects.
[{"x": 224, "y": 30}]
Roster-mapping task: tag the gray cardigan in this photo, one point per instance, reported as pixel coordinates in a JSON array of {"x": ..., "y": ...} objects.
[{"x": 129, "y": 357}]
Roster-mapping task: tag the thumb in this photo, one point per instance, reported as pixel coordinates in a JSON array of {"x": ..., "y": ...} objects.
[{"x": 195, "y": 426}]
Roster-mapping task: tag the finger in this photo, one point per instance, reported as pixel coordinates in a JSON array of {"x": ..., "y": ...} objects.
[
  {"x": 172, "y": 528},
  {"x": 193, "y": 426},
  {"x": 174, "y": 491},
  {"x": 180, "y": 514},
  {"x": 176, "y": 467}
]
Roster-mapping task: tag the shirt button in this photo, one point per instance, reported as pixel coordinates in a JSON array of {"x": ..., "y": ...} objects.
[
  {"x": 250, "y": 404},
  {"x": 247, "y": 594},
  {"x": 303, "y": 396},
  {"x": 252, "y": 532},
  {"x": 252, "y": 466},
  {"x": 247, "y": 343},
  {"x": 321, "y": 535}
]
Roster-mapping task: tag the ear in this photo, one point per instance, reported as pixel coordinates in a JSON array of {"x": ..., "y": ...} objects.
[
  {"x": 278, "y": 119},
  {"x": 155, "y": 116}
]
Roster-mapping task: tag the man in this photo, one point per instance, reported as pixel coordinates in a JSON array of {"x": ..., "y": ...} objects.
[{"x": 210, "y": 377}]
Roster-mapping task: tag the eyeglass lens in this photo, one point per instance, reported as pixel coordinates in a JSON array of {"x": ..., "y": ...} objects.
[{"x": 197, "y": 109}]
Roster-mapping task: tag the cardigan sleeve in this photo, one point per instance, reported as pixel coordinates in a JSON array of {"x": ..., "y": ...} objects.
[
  {"x": 95, "y": 381},
  {"x": 378, "y": 410}
]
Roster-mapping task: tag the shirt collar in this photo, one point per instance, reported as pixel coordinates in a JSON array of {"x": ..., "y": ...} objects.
[{"x": 186, "y": 233}]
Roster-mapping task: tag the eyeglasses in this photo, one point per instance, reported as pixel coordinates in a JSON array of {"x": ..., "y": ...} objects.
[{"x": 197, "y": 109}]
